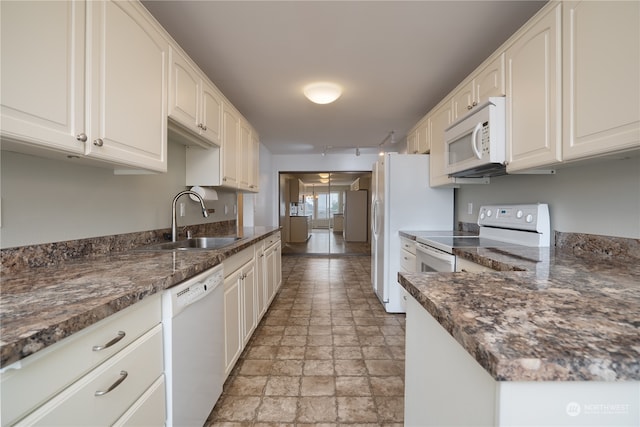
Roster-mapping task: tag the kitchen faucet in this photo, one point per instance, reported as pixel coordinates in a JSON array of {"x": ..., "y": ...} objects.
[{"x": 173, "y": 210}]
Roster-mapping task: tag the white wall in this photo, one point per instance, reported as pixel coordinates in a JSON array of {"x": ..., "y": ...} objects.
[
  {"x": 46, "y": 200},
  {"x": 594, "y": 198}
]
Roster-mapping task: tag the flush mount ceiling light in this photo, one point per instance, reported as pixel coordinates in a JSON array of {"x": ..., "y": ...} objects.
[{"x": 322, "y": 92}]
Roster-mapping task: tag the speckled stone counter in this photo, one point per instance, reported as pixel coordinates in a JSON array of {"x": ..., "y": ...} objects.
[
  {"x": 566, "y": 317},
  {"x": 40, "y": 306}
]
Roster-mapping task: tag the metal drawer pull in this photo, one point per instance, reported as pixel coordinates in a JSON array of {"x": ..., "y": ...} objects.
[
  {"x": 121, "y": 335},
  {"x": 123, "y": 376}
]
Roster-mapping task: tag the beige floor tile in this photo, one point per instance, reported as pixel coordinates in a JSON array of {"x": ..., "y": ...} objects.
[
  {"x": 352, "y": 386},
  {"x": 246, "y": 386},
  {"x": 238, "y": 408},
  {"x": 318, "y": 386},
  {"x": 283, "y": 386},
  {"x": 387, "y": 386},
  {"x": 317, "y": 409},
  {"x": 318, "y": 367},
  {"x": 280, "y": 409},
  {"x": 356, "y": 409}
]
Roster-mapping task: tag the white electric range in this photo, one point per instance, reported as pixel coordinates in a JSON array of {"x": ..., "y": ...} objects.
[{"x": 526, "y": 225}]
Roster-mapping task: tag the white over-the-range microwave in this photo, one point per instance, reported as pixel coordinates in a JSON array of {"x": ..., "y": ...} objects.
[{"x": 475, "y": 144}]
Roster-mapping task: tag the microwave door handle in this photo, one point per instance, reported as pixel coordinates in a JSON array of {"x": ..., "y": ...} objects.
[{"x": 474, "y": 140}]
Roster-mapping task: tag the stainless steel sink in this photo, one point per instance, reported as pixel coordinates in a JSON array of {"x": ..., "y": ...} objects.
[{"x": 193, "y": 243}]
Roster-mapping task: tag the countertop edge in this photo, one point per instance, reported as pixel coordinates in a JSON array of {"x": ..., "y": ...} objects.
[{"x": 42, "y": 336}]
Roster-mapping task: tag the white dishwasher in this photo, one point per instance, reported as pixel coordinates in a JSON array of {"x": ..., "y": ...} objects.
[{"x": 193, "y": 331}]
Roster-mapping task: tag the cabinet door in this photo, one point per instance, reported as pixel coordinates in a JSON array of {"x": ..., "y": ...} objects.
[
  {"x": 278, "y": 263},
  {"x": 438, "y": 122},
  {"x": 249, "y": 301},
  {"x": 254, "y": 172},
  {"x": 43, "y": 74},
  {"x": 533, "y": 95},
  {"x": 230, "y": 147},
  {"x": 261, "y": 292},
  {"x": 490, "y": 81},
  {"x": 463, "y": 101},
  {"x": 270, "y": 272},
  {"x": 184, "y": 92},
  {"x": 127, "y": 88},
  {"x": 412, "y": 142},
  {"x": 422, "y": 137},
  {"x": 232, "y": 320},
  {"x": 211, "y": 128},
  {"x": 601, "y": 77},
  {"x": 244, "y": 159}
]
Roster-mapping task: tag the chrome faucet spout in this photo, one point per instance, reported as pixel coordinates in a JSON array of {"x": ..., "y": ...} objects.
[{"x": 173, "y": 210}]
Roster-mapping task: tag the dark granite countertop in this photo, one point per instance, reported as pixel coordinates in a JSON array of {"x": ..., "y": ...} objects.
[
  {"x": 569, "y": 316},
  {"x": 40, "y": 306}
]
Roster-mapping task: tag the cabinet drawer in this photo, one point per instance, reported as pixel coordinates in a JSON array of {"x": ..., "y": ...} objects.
[
  {"x": 149, "y": 410},
  {"x": 79, "y": 406},
  {"x": 271, "y": 239},
  {"x": 233, "y": 263},
  {"x": 470, "y": 266},
  {"x": 407, "y": 262},
  {"x": 42, "y": 375},
  {"x": 408, "y": 245}
]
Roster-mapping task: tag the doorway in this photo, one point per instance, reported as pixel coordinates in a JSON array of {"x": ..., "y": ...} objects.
[{"x": 325, "y": 213}]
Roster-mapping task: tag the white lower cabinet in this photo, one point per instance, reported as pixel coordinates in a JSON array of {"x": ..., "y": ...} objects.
[
  {"x": 240, "y": 317},
  {"x": 252, "y": 278},
  {"x": 446, "y": 386},
  {"x": 58, "y": 385},
  {"x": 102, "y": 396}
]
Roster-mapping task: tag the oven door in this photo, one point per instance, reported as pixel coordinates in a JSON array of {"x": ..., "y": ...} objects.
[{"x": 429, "y": 259}]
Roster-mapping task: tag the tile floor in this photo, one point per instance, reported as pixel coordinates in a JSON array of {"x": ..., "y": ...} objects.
[
  {"x": 325, "y": 354},
  {"x": 324, "y": 242}
]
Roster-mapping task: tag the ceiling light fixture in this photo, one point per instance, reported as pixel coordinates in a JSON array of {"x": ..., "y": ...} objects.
[{"x": 322, "y": 92}]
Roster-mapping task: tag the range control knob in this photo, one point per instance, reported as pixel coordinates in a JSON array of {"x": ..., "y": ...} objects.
[
  {"x": 519, "y": 214},
  {"x": 481, "y": 215},
  {"x": 529, "y": 218},
  {"x": 489, "y": 213}
]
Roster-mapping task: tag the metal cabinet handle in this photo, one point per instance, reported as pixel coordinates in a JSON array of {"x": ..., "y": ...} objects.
[
  {"x": 121, "y": 335},
  {"x": 469, "y": 107},
  {"x": 123, "y": 376},
  {"x": 81, "y": 137},
  {"x": 204, "y": 127},
  {"x": 474, "y": 103},
  {"x": 98, "y": 142}
]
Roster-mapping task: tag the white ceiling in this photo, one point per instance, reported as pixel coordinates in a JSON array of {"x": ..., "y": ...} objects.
[{"x": 395, "y": 59}]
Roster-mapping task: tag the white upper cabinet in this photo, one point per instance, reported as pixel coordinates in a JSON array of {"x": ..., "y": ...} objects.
[
  {"x": 601, "y": 83},
  {"x": 439, "y": 120},
  {"x": 418, "y": 138},
  {"x": 42, "y": 70},
  {"x": 254, "y": 172},
  {"x": 487, "y": 80},
  {"x": 244, "y": 155},
  {"x": 533, "y": 63},
  {"x": 194, "y": 103},
  {"x": 231, "y": 136},
  {"x": 127, "y": 86},
  {"x": 85, "y": 78}
]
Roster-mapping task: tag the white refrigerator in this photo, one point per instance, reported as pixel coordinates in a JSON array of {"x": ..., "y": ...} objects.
[
  {"x": 356, "y": 216},
  {"x": 401, "y": 199}
]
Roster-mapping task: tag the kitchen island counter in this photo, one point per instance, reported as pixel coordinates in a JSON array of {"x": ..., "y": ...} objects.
[
  {"x": 41, "y": 306},
  {"x": 566, "y": 317}
]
